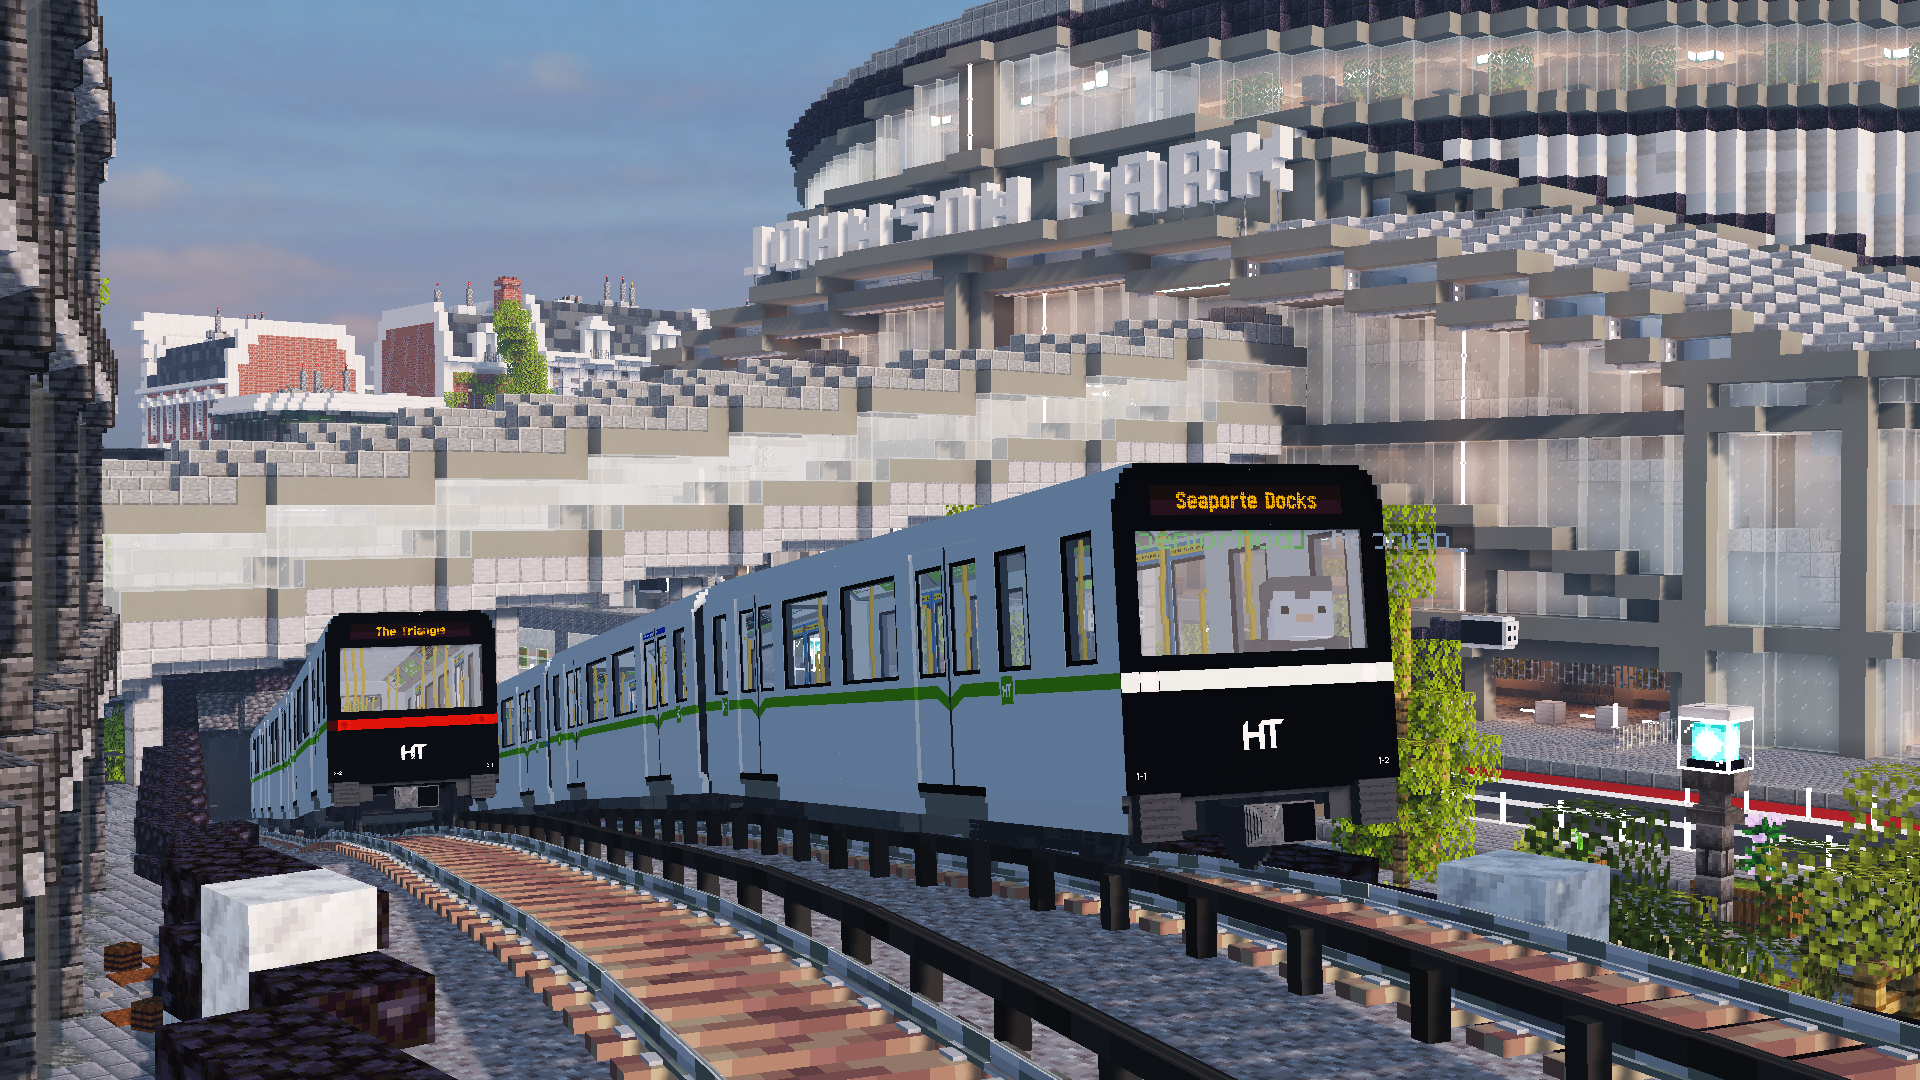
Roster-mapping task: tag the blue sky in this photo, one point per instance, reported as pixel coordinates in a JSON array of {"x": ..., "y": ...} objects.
[{"x": 324, "y": 162}]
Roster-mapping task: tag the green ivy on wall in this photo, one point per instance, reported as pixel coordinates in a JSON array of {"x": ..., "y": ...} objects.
[{"x": 1444, "y": 757}]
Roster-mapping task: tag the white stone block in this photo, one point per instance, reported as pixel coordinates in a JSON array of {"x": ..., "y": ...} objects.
[
  {"x": 1568, "y": 896},
  {"x": 273, "y": 922}
]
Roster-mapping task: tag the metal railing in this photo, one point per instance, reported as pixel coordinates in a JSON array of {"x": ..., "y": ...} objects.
[{"x": 1590, "y": 1029}]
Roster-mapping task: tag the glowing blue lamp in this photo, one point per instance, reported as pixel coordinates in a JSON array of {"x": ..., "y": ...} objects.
[{"x": 1716, "y": 738}]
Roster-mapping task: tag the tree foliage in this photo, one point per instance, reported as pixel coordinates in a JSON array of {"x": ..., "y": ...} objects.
[{"x": 1444, "y": 757}]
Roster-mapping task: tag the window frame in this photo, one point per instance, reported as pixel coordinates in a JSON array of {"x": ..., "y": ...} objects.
[
  {"x": 767, "y": 626},
  {"x": 679, "y": 664},
  {"x": 846, "y": 632},
  {"x": 625, "y": 695},
  {"x": 937, "y": 634},
  {"x": 507, "y": 721},
  {"x": 599, "y": 694},
  {"x": 825, "y": 650},
  {"x": 973, "y": 622},
  {"x": 749, "y": 655},
  {"x": 719, "y": 659},
  {"x": 575, "y": 687},
  {"x": 1070, "y": 609},
  {"x": 1002, "y": 624},
  {"x": 652, "y": 672}
]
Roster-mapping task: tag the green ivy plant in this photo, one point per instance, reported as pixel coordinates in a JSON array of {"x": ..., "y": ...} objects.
[
  {"x": 1444, "y": 757},
  {"x": 1864, "y": 909}
]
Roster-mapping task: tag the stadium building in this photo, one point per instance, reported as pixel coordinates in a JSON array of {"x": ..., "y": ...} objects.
[{"x": 1621, "y": 291}]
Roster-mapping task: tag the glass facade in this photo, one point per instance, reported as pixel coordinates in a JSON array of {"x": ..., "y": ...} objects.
[
  {"x": 1783, "y": 528},
  {"x": 1795, "y": 698}
]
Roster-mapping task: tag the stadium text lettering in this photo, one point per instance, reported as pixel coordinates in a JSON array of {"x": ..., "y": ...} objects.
[{"x": 1192, "y": 174}]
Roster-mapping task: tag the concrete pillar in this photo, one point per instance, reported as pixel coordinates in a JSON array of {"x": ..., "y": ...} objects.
[
  {"x": 1476, "y": 677},
  {"x": 145, "y": 720},
  {"x": 1716, "y": 834}
]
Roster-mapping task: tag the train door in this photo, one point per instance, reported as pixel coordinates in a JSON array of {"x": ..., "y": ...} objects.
[{"x": 933, "y": 608}]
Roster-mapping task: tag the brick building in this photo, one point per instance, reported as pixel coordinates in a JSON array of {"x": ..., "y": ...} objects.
[
  {"x": 424, "y": 346},
  {"x": 195, "y": 361}
]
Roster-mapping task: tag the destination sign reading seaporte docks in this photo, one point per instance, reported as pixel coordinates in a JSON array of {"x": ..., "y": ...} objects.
[{"x": 1210, "y": 501}]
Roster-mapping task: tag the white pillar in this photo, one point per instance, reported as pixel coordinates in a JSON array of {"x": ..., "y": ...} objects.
[{"x": 144, "y": 721}]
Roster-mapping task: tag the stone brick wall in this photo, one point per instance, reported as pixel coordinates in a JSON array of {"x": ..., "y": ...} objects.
[
  {"x": 406, "y": 361},
  {"x": 276, "y": 363}
]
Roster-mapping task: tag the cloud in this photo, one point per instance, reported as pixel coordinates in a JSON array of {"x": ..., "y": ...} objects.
[
  {"x": 557, "y": 71},
  {"x": 139, "y": 189},
  {"x": 240, "y": 277}
]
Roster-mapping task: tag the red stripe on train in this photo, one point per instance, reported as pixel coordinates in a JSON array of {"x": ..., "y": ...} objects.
[{"x": 377, "y": 723}]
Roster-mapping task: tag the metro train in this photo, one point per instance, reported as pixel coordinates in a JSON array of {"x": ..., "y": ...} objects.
[
  {"x": 1144, "y": 653},
  {"x": 389, "y": 721}
]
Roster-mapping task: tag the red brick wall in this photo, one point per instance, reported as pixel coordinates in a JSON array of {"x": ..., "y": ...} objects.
[
  {"x": 406, "y": 361},
  {"x": 275, "y": 363}
]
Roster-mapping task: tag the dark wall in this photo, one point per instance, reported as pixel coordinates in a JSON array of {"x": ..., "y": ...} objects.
[{"x": 225, "y": 756}]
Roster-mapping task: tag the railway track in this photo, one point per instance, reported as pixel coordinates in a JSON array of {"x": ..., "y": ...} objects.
[{"x": 746, "y": 1007}]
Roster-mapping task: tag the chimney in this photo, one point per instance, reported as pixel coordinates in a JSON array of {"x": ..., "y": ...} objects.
[
  {"x": 469, "y": 294},
  {"x": 505, "y": 289},
  {"x": 436, "y": 292},
  {"x": 606, "y": 292}
]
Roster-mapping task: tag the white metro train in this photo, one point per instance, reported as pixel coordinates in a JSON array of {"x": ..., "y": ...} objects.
[{"x": 1142, "y": 652}]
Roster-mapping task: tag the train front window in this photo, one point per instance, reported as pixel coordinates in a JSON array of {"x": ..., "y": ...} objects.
[
  {"x": 1248, "y": 591},
  {"x": 395, "y": 678}
]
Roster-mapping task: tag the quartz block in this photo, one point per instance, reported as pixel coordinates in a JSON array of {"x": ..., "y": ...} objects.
[{"x": 1567, "y": 896}]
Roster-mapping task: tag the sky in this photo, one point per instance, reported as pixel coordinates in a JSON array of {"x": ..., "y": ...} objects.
[{"x": 326, "y": 162}]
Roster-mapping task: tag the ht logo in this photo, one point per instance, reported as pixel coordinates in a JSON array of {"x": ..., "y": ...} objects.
[
  {"x": 1266, "y": 737},
  {"x": 417, "y": 752}
]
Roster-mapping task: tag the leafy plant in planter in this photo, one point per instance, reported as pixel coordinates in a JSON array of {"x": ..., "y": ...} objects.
[{"x": 1864, "y": 909}]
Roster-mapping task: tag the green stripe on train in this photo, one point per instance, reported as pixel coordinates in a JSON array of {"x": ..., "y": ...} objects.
[{"x": 1063, "y": 684}]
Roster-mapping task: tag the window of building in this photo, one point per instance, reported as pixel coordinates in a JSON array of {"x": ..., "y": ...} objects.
[
  {"x": 598, "y": 688},
  {"x": 930, "y": 601},
  {"x": 1396, "y": 275},
  {"x": 965, "y": 617},
  {"x": 623, "y": 682},
  {"x": 1076, "y": 572},
  {"x": 1016, "y": 647},
  {"x": 1508, "y": 287},
  {"x": 806, "y": 626},
  {"x": 867, "y": 632},
  {"x": 719, "y": 659},
  {"x": 679, "y": 665}
]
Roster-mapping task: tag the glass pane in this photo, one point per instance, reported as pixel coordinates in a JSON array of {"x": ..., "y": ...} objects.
[
  {"x": 966, "y": 620},
  {"x": 1076, "y": 558},
  {"x": 807, "y": 641},
  {"x": 623, "y": 683},
  {"x": 719, "y": 659},
  {"x": 506, "y": 723},
  {"x": 656, "y": 679},
  {"x": 1015, "y": 647},
  {"x": 574, "y": 698},
  {"x": 749, "y": 654},
  {"x": 931, "y": 602},
  {"x": 679, "y": 665},
  {"x": 597, "y": 688},
  {"x": 397, "y": 677},
  {"x": 1247, "y": 591},
  {"x": 769, "y": 665},
  {"x": 867, "y": 625}
]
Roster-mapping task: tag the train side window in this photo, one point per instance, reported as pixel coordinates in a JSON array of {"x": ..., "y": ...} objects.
[
  {"x": 574, "y": 696},
  {"x": 506, "y": 723},
  {"x": 679, "y": 665},
  {"x": 656, "y": 682},
  {"x": 749, "y": 652},
  {"x": 719, "y": 658},
  {"x": 526, "y": 721},
  {"x": 806, "y": 623},
  {"x": 769, "y": 663},
  {"x": 1016, "y": 637},
  {"x": 930, "y": 602},
  {"x": 597, "y": 690},
  {"x": 867, "y": 632},
  {"x": 1076, "y": 574},
  {"x": 965, "y": 618},
  {"x": 624, "y": 683}
]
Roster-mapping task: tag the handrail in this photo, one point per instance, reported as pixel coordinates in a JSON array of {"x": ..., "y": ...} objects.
[{"x": 1434, "y": 973}]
